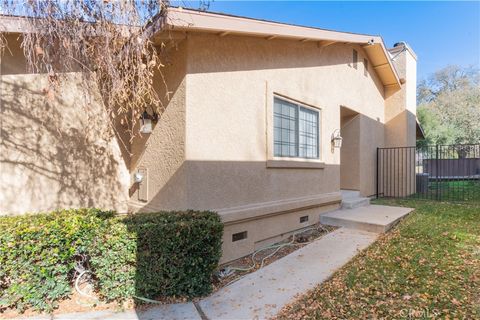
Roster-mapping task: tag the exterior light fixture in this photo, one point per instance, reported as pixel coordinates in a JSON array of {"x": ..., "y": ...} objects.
[
  {"x": 138, "y": 177},
  {"x": 147, "y": 121},
  {"x": 336, "y": 139}
]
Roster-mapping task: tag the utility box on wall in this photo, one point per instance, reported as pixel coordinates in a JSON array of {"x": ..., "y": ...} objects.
[{"x": 143, "y": 185}]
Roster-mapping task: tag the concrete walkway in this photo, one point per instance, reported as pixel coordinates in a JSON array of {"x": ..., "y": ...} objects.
[
  {"x": 262, "y": 294},
  {"x": 179, "y": 311}
]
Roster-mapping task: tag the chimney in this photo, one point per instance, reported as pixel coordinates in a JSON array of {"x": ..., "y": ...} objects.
[{"x": 401, "y": 105}]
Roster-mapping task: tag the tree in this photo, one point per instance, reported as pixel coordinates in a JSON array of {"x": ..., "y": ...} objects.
[
  {"x": 449, "y": 106},
  {"x": 109, "y": 42}
]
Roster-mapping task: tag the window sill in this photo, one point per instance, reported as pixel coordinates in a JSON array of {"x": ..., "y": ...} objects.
[{"x": 295, "y": 164}]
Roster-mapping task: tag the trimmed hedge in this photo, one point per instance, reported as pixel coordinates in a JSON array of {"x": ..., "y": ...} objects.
[
  {"x": 158, "y": 254},
  {"x": 147, "y": 255},
  {"x": 37, "y": 255}
]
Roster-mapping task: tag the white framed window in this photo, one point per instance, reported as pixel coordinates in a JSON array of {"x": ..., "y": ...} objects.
[{"x": 295, "y": 130}]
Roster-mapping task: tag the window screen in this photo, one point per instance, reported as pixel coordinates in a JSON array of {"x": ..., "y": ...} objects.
[
  {"x": 365, "y": 67},
  {"x": 296, "y": 130}
]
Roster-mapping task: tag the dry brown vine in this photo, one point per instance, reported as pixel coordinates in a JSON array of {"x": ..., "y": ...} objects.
[
  {"x": 109, "y": 41},
  {"x": 3, "y": 44}
]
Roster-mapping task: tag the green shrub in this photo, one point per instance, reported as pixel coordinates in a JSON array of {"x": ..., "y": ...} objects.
[
  {"x": 147, "y": 255},
  {"x": 37, "y": 255},
  {"x": 155, "y": 255}
]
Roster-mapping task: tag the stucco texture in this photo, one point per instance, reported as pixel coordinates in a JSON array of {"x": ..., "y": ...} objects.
[
  {"x": 56, "y": 150},
  {"x": 400, "y": 106},
  {"x": 162, "y": 153},
  {"x": 229, "y": 131}
]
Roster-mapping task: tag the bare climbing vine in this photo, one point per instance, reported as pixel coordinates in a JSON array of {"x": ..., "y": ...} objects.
[
  {"x": 3, "y": 45},
  {"x": 107, "y": 41}
]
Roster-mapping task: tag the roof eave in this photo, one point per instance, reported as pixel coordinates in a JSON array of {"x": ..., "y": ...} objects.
[
  {"x": 420, "y": 133},
  {"x": 200, "y": 21},
  {"x": 193, "y": 20},
  {"x": 12, "y": 24}
]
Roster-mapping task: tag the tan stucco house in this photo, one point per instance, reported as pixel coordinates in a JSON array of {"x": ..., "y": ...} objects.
[{"x": 249, "y": 131}]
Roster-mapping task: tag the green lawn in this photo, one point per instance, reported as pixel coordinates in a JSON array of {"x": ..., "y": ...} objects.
[
  {"x": 453, "y": 190},
  {"x": 459, "y": 190},
  {"x": 427, "y": 267}
]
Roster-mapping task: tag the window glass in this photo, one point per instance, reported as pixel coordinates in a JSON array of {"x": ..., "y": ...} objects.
[
  {"x": 308, "y": 133},
  {"x": 295, "y": 130},
  {"x": 285, "y": 128}
]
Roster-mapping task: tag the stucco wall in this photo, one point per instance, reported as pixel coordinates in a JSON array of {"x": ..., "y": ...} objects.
[
  {"x": 350, "y": 152},
  {"x": 162, "y": 153},
  {"x": 56, "y": 150},
  {"x": 229, "y": 130},
  {"x": 371, "y": 137},
  {"x": 212, "y": 147},
  {"x": 267, "y": 231},
  {"x": 361, "y": 137},
  {"x": 400, "y": 125},
  {"x": 401, "y": 106}
]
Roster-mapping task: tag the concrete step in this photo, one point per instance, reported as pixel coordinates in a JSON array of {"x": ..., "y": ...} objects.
[
  {"x": 350, "y": 203},
  {"x": 373, "y": 218},
  {"x": 347, "y": 194}
]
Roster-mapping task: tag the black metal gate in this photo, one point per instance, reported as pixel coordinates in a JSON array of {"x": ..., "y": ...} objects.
[{"x": 438, "y": 172}]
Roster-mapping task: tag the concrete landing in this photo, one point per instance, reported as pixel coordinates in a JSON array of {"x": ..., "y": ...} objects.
[
  {"x": 263, "y": 293},
  {"x": 372, "y": 218}
]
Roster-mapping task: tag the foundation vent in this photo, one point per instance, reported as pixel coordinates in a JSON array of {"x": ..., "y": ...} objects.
[
  {"x": 239, "y": 236},
  {"x": 303, "y": 219}
]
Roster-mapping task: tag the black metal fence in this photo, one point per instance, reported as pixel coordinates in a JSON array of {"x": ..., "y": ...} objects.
[{"x": 439, "y": 172}]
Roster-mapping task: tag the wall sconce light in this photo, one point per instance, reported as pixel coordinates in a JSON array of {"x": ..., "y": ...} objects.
[
  {"x": 336, "y": 139},
  {"x": 147, "y": 121},
  {"x": 138, "y": 177}
]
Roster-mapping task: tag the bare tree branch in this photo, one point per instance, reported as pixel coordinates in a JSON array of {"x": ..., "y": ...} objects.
[{"x": 108, "y": 41}]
